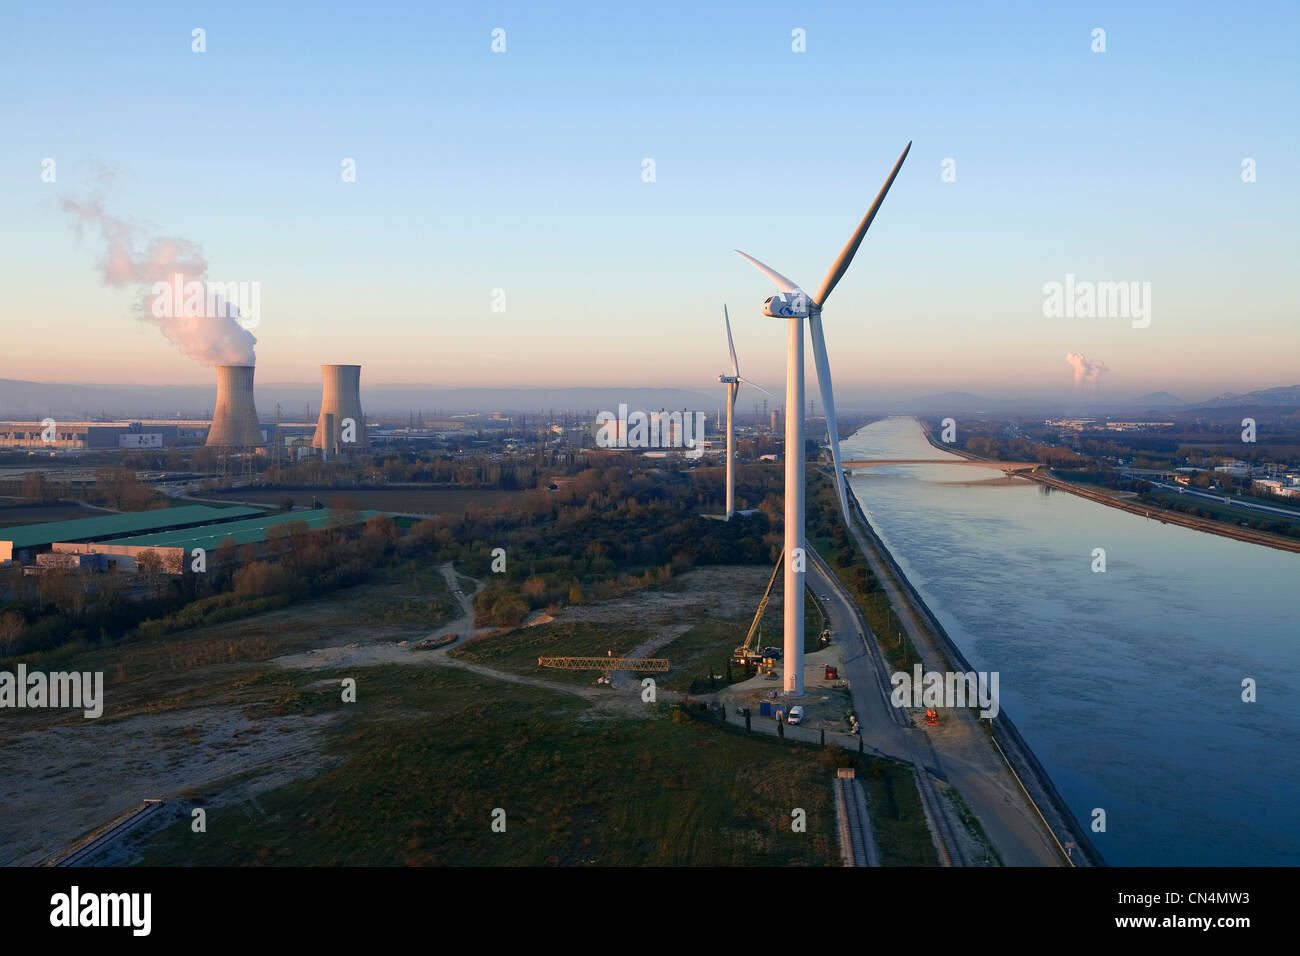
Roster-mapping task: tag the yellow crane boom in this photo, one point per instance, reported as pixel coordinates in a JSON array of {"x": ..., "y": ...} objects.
[
  {"x": 746, "y": 653},
  {"x": 605, "y": 663}
]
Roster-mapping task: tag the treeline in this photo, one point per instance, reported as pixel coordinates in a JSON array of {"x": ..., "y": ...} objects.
[
  {"x": 610, "y": 529},
  {"x": 606, "y": 532},
  {"x": 115, "y": 488},
  {"x": 1272, "y": 525},
  {"x": 478, "y": 471},
  {"x": 1022, "y": 449}
]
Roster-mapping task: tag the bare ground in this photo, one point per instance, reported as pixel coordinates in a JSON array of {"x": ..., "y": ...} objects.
[{"x": 173, "y": 734}]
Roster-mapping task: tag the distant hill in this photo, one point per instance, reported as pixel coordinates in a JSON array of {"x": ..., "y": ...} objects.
[
  {"x": 1157, "y": 400},
  {"x": 36, "y": 400},
  {"x": 1281, "y": 396}
]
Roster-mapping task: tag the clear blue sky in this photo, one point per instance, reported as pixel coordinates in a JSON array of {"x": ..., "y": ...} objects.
[{"x": 522, "y": 171}]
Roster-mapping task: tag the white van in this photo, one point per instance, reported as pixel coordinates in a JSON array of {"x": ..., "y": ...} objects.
[{"x": 796, "y": 715}]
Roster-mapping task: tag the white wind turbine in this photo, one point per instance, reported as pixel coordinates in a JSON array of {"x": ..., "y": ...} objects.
[
  {"x": 732, "y": 382},
  {"x": 795, "y": 304}
]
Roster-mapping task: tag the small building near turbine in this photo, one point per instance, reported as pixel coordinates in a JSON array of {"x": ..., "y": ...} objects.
[{"x": 341, "y": 426}]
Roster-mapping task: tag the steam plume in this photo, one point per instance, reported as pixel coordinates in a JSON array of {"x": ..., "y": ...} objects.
[
  {"x": 1086, "y": 372},
  {"x": 211, "y": 340}
]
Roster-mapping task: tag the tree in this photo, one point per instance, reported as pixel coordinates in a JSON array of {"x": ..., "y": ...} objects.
[
  {"x": 11, "y": 626},
  {"x": 110, "y": 587},
  {"x": 14, "y": 579},
  {"x": 64, "y": 586},
  {"x": 150, "y": 565}
]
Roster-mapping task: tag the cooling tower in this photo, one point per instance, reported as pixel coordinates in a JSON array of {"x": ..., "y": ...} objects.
[
  {"x": 340, "y": 401},
  {"x": 234, "y": 420}
]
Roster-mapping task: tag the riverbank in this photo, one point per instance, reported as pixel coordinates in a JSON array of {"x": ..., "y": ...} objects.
[
  {"x": 1236, "y": 532},
  {"x": 1028, "y": 772}
]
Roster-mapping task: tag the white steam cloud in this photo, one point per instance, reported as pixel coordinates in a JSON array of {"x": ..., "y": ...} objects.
[
  {"x": 131, "y": 258},
  {"x": 1086, "y": 373}
]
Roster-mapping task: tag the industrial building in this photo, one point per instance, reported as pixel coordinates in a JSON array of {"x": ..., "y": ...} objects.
[
  {"x": 26, "y": 542},
  {"x": 102, "y": 435},
  {"x": 176, "y": 545}
]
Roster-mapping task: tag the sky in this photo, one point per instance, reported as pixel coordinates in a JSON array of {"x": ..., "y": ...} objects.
[{"x": 524, "y": 171}]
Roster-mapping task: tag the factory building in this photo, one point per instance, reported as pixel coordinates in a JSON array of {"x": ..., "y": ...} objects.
[
  {"x": 26, "y": 542},
  {"x": 176, "y": 546},
  {"x": 52, "y": 435}
]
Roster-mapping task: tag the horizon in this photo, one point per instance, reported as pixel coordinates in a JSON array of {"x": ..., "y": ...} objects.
[{"x": 850, "y": 400}]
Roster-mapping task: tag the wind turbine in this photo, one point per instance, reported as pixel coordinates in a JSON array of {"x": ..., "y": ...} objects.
[
  {"x": 796, "y": 305},
  {"x": 732, "y": 382}
]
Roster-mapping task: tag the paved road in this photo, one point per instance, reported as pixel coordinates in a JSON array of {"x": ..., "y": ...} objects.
[
  {"x": 888, "y": 729},
  {"x": 961, "y": 752},
  {"x": 1233, "y": 501}
]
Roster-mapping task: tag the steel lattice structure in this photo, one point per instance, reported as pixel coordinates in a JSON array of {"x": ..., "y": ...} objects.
[{"x": 605, "y": 663}]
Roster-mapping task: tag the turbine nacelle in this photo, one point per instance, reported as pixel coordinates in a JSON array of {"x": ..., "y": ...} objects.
[
  {"x": 729, "y": 379},
  {"x": 788, "y": 305}
]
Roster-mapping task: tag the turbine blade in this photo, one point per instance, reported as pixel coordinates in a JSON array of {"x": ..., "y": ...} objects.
[
  {"x": 735, "y": 366},
  {"x": 828, "y": 402},
  {"x": 759, "y": 387},
  {"x": 781, "y": 282},
  {"x": 841, "y": 265}
]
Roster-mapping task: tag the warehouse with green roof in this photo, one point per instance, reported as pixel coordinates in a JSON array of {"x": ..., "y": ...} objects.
[
  {"x": 25, "y": 542},
  {"x": 173, "y": 546}
]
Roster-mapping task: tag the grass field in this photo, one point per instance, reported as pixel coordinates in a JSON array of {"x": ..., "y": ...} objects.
[
  {"x": 706, "y": 648},
  {"x": 518, "y": 650},
  {"x": 15, "y": 512},
  {"x": 411, "y": 772},
  {"x": 192, "y": 667},
  {"x": 429, "y": 754},
  {"x": 406, "y": 500}
]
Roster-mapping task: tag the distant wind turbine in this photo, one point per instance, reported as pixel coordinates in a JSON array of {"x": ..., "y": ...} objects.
[
  {"x": 732, "y": 382},
  {"x": 795, "y": 304}
]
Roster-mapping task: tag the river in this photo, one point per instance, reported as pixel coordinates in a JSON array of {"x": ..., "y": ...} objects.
[{"x": 1127, "y": 684}]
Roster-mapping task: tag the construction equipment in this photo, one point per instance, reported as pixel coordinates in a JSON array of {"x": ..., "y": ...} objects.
[
  {"x": 610, "y": 663},
  {"x": 747, "y": 653},
  {"x": 931, "y": 718},
  {"x": 832, "y": 672}
]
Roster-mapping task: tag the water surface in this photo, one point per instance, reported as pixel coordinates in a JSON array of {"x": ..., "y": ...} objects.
[{"x": 1127, "y": 684}]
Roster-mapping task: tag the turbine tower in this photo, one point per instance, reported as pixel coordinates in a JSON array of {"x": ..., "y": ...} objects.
[
  {"x": 732, "y": 382},
  {"x": 795, "y": 305}
]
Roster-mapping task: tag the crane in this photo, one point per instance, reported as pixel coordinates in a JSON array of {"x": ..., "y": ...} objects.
[
  {"x": 610, "y": 663},
  {"x": 605, "y": 664},
  {"x": 746, "y": 653}
]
